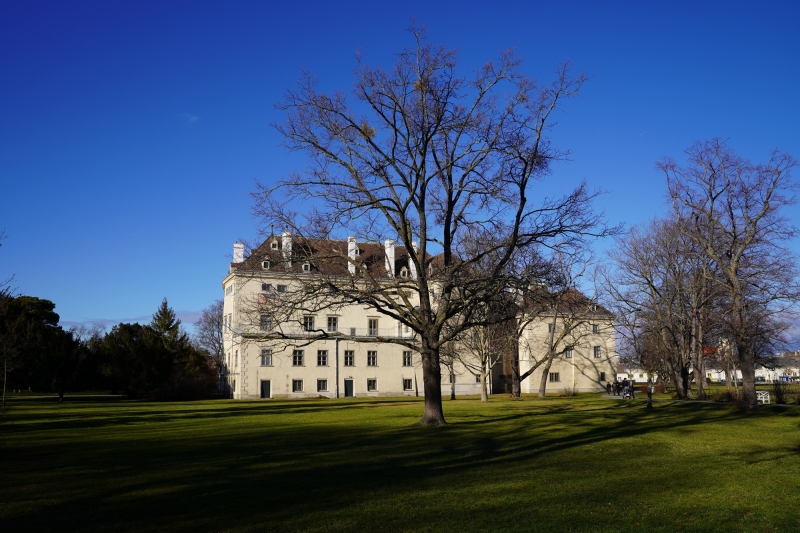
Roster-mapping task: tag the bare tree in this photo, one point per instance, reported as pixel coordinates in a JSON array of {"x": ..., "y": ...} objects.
[
  {"x": 663, "y": 295},
  {"x": 734, "y": 211},
  {"x": 427, "y": 158},
  {"x": 208, "y": 336}
]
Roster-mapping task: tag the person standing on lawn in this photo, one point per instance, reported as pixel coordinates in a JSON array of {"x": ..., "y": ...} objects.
[{"x": 608, "y": 388}]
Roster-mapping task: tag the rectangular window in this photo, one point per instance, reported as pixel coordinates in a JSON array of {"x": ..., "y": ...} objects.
[
  {"x": 297, "y": 385},
  {"x": 322, "y": 357},
  {"x": 373, "y": 327},
  {"x": 372, "y": 358},
  {"x": 297, "y": 358},
  {"x": 595, "y": 328},
  {"x": 602, "y": 376},
  {"x": 333, "y": 323},
  {"x": 266, "y": 357},
  {"x": 568, "y": 353},
  {"x": 266, "y": 323},
  {"x": 407, "y": 359},
  {"x": 281, "y": 288},
  {"x": 237, "y": 357},
  {"x": 549, "y": 328},
  {"x": 266, "y": 286},
  {"x": 349, "y": 358},
  {"x": 352, "y": 332},
  {"x": 477, "y": 379},
  {"x": 597, "y": 352},
  {"x": 554, "y": 377},
  {"x": 308, "y": 323},
  {"x": 407, "y": 385},
  {"x": 372, "y": 385},
  {"x": 322, "y": 385}
]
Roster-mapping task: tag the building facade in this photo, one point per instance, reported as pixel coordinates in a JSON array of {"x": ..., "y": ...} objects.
[{"x": 273, "y": 338}]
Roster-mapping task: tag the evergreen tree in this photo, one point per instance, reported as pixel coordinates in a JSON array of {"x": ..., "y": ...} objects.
[{"x": 167, "y": 325}]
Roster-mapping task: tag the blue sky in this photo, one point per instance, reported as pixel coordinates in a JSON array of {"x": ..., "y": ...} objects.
[{"x": 131, "y": 132}]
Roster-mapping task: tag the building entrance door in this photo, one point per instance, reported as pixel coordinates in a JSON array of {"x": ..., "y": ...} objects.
[
  {"x": 348, "y": 388},
  {"x": 265, "y": 389}
]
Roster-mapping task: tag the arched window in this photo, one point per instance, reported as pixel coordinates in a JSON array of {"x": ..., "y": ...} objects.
[{"x": 306, "y": 267}]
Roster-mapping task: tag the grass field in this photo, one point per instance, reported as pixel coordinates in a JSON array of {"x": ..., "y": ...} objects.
[{"x": 553, "y": 464}]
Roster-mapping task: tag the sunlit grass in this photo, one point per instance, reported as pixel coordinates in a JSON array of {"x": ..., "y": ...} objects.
[{"x": 555, "y": 464}]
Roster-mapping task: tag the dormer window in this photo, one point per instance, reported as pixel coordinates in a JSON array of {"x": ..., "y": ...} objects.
[
  {"x": 265, "y": 265},
  {"x": 404, "y": 272},
  {"x": 357, "y": 252},
  {"x": 274, "y": 245},
  {"x": 306, "y": 267}
]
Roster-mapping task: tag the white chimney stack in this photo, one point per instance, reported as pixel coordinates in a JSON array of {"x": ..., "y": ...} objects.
[
  {"x": 238, "y": 252},
  {"x": 286, "y": 244},
  {"x": 388, "y": 246},
  {"x": 351, "y": 253},
  {"x": 411, "y": 266}
]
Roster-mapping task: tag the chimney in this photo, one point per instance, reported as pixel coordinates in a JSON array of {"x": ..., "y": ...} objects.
[
  {"x": 411, "y": 266},
  {"x": 286, "y": 244},
  {"x": 351, "y": 253},
  {"x": 238, "y": 252},
  {"x": 388, "y": 246}
]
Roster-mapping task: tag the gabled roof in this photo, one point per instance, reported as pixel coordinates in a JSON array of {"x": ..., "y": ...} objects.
[{"x": 328, "y": 257}]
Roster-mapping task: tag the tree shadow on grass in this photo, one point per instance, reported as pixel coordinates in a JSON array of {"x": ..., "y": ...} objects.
[{"x": 270, "y": 474}]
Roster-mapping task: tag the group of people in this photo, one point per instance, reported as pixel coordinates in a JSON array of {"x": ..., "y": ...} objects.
[{"x": 620, "y": 387}]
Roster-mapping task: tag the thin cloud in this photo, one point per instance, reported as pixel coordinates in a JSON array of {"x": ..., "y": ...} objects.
[{"x": 191, "y": 119}]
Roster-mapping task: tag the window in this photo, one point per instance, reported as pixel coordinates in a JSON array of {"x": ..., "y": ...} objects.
[
  {"x": 229, "y": 289},
  {"x": 597, "y": 352},
  {"x": 266, "y": 357},
  {"x": 602, "y": 376},
  {"x": 349, "y": 358},
  {"x": 372, "y": 358},
  {"x": 274, "y": 245},
  {"x": 306, "y": 267},
  {"x": 322, "y": 357},
  {"x": 265, "y": 265},
  {"x": 407, "y": 385},
  {"x": 237, "y": 357},
  {"x": 568, "y": 353},
  {"x": 404, "y": 272},
  {"x": 281, "y": 288},
  {"x": 266, "y": 323},
  {"x": 333, "y": 323},
  {"x": 357, "y": 252},
  {"x": 233, "y": 386},
  {"x": 594, "y": 307},
  {"x": 595, "y": 328},
  {"x": 297, "y": 358},
  {"x": 322, "y": 385},
  {"x": 297, "y": 385},
  {"x": 372, "y": 385},
  {"x": 554, "y": 377},
  {"x": 549, "y": 328},
  {"x": 352, "y": 332},
  {"x": 641, "y": 376},
  {"x": 308, "y": 323},
  {"x": 266, "y": 286},
  {"x": 407, "y": 359},
  {"x": 477, "y": 379},
  {"x": 373, "y": 327}
]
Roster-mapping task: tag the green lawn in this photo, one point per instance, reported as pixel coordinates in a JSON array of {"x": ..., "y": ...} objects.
[{"x": 557, "y": 464}]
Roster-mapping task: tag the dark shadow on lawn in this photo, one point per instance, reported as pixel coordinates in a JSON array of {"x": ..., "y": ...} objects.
[{"x": 279, "y": 472}]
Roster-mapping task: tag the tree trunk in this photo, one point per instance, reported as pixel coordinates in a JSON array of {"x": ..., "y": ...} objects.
[
  {"x": 687, "y": 385},
  {"x": 516, "y": 387},
  {"x": 649, "y": 395},
  {"x": 433, "y": 414},
  {"x": 545, "y": 375},
  {"x": 746, "y": 365},
  {"x": 484, "y": 389},
  {"x": 452, "y": 384}
]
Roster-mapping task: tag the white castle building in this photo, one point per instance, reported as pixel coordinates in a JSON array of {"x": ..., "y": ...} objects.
[{"x": 274, "y": 345}]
